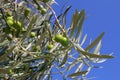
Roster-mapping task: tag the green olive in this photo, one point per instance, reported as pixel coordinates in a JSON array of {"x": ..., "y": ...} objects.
[
  {"x": 11, "y": 71},
  {"x": 32, "y": 34},
  {"x": 50, "y": 46},
  {"x": 40, "y": 7},
  {"x": 61, "y": 39},
  {"x": 43, "y": 11},
  {"x": 45, "y": 1},
  {"x": 9, "y": 18},
  {"x": 27, "y": 11},
  {"x": 23, "y": 29},
  {"x": 17, "y": 24},
  {"x": 64, "y": 41},
  {"x": 10, "y": 22},
  {"x": 36, "y": 47},
  {"x": 58, "y": 37}
]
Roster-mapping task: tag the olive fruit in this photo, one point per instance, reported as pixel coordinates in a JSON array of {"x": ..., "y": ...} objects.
[
  {"x": 9, "y": 18},
  {"x": 50, "y": 46},
  {"x": 11, "y": 71},
  {"x": 45, "y": 1},
  {"x": 32, "y": 34},
  {"x": 10, "y": 22},
  {"x": 43, "y": 11},
  {"x": 58, "y": 37},
  {"x": 40, "y": 7},
  {"x": 36, "y": 47},
  {"x": 26, "y": 12},
  {"x": 18, "y": 24},
  {"x": 64, "y": 41},
  {"x": 61, "y": 39},
  {"x": 23, "y": 29}
]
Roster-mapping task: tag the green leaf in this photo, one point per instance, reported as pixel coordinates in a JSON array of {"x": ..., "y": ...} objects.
[
  {"x": 2, "y": 57},
  {"x": 81, "y": 20},
  {"x": 84, "y": 39},
  {"x": 96, "y": 51},
  {"x": 79, "y": 68},
  {"x": 64, "y": 60},
  {"x": 94, "y": 55},
  {"x": 72, "y": 64},
  {"x": 77, "y": 74},
  {"x": 74, "y": 22},
  {"x": 4, "y": 42},
  {"x": 94, "y": 42},
  {"x": 66, "y": 11}
]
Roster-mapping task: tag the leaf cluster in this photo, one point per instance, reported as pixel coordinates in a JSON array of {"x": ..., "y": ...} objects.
[{"x": 24, "y": 51}]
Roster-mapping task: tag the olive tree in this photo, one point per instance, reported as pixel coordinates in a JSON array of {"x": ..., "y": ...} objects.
[{"x": 36, "y": 44}]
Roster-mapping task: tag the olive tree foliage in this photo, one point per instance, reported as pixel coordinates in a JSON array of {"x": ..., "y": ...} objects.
[{"x": 36, "y": 44}]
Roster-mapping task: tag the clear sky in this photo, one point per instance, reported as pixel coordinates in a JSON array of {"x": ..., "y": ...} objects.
[{"x": 102, "y": 15}]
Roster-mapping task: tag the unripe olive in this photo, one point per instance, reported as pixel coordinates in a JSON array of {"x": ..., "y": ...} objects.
[
  {"x": 23, "y": 29},
  {"x": 58, "y": 37},
  {"x": 32, "y": 34},
  {"x": 45, "y": 1},
  {"x": 27, "y": 11},
  {"x": 11, "y": 71},
  {"x": 9, "y": 18},
  {"x": 50, "y": 46},
  {"x": 64, "y": 41},
  {"x": 40, "y": 7},
  {"x": 10, "y": 22},
  {"x": 36, "y": 47},
  {"x": 17, "y": 24},
  {"x": 43, "y": 11}
]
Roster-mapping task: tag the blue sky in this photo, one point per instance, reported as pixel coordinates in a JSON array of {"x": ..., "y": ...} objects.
[{"x": 102, "y": 15}]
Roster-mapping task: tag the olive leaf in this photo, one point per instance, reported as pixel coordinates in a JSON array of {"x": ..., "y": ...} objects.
[
  {"x": 94, "y": 55},
  {"x": 4, "y": 42},
  {"x": 64, "y": 60},
  {"x": 66, "y": 11},
  {"x": 84, "y": 39},
  {"x": 25, "y": 57},
  {"x": 77, "y": 74},
  {"x": 4, "y": 56},
  {"x": 72, "y": 64},
  {"x": 80, "y": 23},
  {"x": 77, "y": 21},
  {"x": 95, "y": 42},
  {"x": 96, "y": 51}
]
